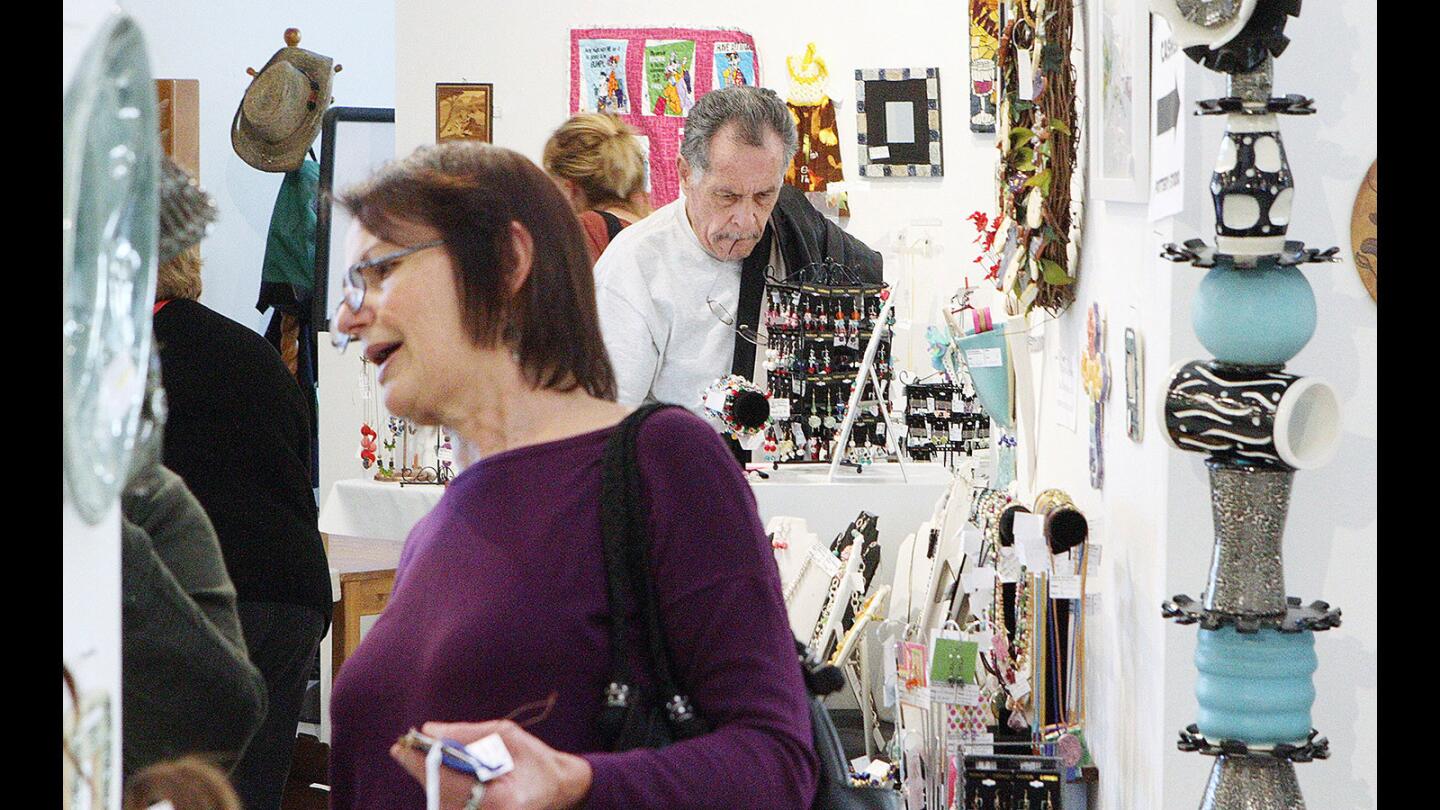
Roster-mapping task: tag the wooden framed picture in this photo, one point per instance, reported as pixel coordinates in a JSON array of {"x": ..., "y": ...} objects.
[
  {"x": 463, "y": 112},
  {"x": 898, "y": 114}
]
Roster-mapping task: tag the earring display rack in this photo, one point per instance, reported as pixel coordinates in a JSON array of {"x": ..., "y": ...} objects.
[
  {"x": 819, "y": 323},
  {"x": 943, "y": 419}
]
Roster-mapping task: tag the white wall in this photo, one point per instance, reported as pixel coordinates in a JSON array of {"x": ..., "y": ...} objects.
[
  {"x": 215, "y": 42},
  {"x": 1331, "y": 531},
  {"x": 1152, "y": 516}
]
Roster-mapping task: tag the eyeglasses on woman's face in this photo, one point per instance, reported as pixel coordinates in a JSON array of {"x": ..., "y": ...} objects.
[{"x": 354, "y": 285}]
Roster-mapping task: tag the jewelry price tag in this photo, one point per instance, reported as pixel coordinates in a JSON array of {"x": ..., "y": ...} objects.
[
  {"x": 980, "y": 579},
  {"x": 983, "y": 358},
  {"x": 1030, "y": 545},
  {"x": 828, "y": 562},
  {"x": 1065, "y": 586},
  {"x": 715, "y": 400},
  {"x": 779, "y": 409},
  {"x": 492, "y": 753},
  {"x": 1019, "y": 689},
  {"x": 970, "y": 540}
]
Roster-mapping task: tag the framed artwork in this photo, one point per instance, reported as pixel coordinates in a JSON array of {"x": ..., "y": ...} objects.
[
  {"x": 463, "y": 112},
  {"x": 899, "y": 122},
  {"x": 1120, "y": 118},
  {"x": 984, "y": 39}
]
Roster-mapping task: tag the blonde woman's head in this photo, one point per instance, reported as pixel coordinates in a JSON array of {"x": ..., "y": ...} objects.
[
  {"x": 599, "y": 161},
  {"x": 180, "y": 276}
]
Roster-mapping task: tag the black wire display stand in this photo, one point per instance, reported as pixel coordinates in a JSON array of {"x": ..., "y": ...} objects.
[{"x": 834, "y": 387}]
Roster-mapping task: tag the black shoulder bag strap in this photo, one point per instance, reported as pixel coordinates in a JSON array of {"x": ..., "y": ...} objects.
[{"x": 626, "y": 721}]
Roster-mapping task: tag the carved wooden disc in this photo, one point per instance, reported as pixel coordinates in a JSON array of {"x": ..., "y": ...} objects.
[{"x": 1364, "y": 234}]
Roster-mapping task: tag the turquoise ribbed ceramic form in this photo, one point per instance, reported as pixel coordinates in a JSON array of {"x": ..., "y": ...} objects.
[
  {"x": 1260, "y": 316},
  {"x": 1255, "y": 687},
  {"x": 992, "y": 382}
]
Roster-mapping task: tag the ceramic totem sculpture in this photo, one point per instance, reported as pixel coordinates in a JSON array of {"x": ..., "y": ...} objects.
[{"x": 1255, "y": 423}]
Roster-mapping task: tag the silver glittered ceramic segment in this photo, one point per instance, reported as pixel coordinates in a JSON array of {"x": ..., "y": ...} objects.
[
  {"x": 1247, "y": 570},
  {"x": 1255, "y": 86},
  {"x": 1252, "y": 783},
  {"x": 111, "y": 160},
  {"x": 1209, "y": 13}
]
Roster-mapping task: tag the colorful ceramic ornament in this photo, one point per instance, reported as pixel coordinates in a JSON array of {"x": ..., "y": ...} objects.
[{"x": 1095, "y": 375}]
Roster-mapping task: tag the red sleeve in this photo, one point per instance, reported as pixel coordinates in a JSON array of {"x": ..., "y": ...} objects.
[{"x": 597, "y": 236}]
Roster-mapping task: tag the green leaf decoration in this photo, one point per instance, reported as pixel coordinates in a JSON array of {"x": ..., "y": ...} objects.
[
  {"x": 1054, "y": 273},
  {"x": 1041, "y": 180},
  {"x": 1020, "y": 135},
  {"x": 1021, "y": 105},
  {"x": 1051, "y": 57},
  {"x": 1060, "y": 126}
]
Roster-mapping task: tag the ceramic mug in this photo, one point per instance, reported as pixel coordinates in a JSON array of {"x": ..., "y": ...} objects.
[{"x": 1251, "y": 414}]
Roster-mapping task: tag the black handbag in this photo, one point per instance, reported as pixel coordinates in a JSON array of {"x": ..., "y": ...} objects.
[{"x": 634, "y": 718}]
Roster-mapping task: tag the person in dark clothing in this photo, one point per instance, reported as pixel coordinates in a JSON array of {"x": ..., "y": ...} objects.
[{"x": 239, "y": 436}]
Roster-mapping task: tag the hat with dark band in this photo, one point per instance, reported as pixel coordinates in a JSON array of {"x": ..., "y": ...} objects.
[{"x": 280, "y": 114}]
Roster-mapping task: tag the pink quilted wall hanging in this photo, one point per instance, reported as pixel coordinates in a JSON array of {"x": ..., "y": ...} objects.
[{"x": 651, "y": 77}]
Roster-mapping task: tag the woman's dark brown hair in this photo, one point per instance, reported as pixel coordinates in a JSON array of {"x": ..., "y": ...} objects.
[{"x": 470, "y": 192}]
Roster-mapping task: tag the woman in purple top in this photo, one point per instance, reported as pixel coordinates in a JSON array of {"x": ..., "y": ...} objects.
[{"x": 471, "y": 290}]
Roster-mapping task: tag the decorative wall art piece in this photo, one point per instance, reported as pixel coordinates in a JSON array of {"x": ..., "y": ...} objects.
[
  {"x": 652, "y": 77},
  {"x": 1095, "y": 377},
  {"x": 1134, "y": 386},
  {"x": 1120, "y": 112},
  {"x": 984, "y": 38},
  {"x": 734, "y": 64},
  {"x": 817, "y": 162},
  {"x": 898, "y": 112},
  {"x": 669, "y": 77},
  {"x": 1365, "y": 233},
  {"x": 604, "y": 85},
  {"x": 1255, "y": 423},
  {"x": 463, "y": 112},
  {"x": 1167, "y": 125},
  {"x": 1041, "y": 176}
]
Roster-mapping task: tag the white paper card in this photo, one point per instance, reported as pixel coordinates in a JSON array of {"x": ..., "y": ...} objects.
[
  {"x": 715, "y": 400},
  {"x": 1026, "y": 76},
  {"x": 877, "y": 770},
  {"x": 980, "y": 579},
  {"x": 1065, "y": 586},
  {"x": 445, "y": 453},
  {"x": 983, "y": 358},
  {"x": 985, "y": 642},
  {"x": 860, "y": 763},
  {"x": 899, "y": 122},
  {"x": 879, "y": 153},
  {"x": 1030, "y": 545},
  {"x": 1019, "y": 689},
  {"x": 828, "y": 562},
  {"x": 491, "y": 751},
  {"x": 752, "y": 442},
  {"x": 779, "y": 408},
  {"x": 1092, "y": 559},
  {"x": 982, "y": 743},
  {"x": 966, "y": 694},
  {"x": 957, "y": 432},
  {"x": 970, "y": 540}
]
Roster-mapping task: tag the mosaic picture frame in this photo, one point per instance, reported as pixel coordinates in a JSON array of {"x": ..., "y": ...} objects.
[{"x": 898, "y": 122}]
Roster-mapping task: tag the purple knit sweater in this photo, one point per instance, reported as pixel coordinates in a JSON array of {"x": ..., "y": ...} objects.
[{"x": 500, "y": 600}]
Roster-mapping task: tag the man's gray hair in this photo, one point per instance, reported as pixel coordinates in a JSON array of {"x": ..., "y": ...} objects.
[{"x": 754, "y": 109}]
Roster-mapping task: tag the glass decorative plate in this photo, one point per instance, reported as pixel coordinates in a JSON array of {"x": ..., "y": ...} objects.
[{"x": 111, "y": 160}]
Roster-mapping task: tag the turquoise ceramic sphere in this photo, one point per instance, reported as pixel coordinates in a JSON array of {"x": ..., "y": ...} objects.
[
  {"x": 1260, "y": 316},
  {"x": 1255, "y": 687}
]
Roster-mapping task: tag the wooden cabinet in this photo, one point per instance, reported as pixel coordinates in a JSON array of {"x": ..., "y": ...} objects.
[
  {"x": 178, "y": 105},
  {"x": 363, "y": 595}
]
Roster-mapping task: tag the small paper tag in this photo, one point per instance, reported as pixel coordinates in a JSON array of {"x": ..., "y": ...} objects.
[
  {"x": 1065, "y": 586},
  {"x": 780, "y": 408},
  {"x": 930, "y": 403},
  {"x": 984, "y": 642},
  {"x": 1019, "y": 689},
  {"x": 493, "y": 754},
  {"x": 965, "y": 694},
  {"x": 828, "y": 562},
  {"x": 956, "y": 432},
  {"x": 980, "y": 579},
  {"x": 1026, "y": 76},
  {"x": 879, "y": 427},
  {"x": 879, "y": 153},
  {"x": 799, "y": 435},
  {"x": 715, "y": 400},
  {"x": 752, "y": 442},
  {"x": 860, "y": 763},
  {"x": 1092, "y": 558},
  {"x": 982, "y": 743},
  {"x": 983, "y": 358},
  {"x": 1030, "y": 545},
  {"x": 445, "y": 453},
  {"x": 877, "y": 770},
  {"x": 970, "y": 540}
]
